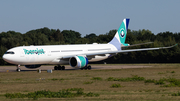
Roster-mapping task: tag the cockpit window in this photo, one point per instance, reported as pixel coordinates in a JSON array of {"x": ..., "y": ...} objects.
[{"x": 10, "y": 52}]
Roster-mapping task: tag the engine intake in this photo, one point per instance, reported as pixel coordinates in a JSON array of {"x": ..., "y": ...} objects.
[{"x": 78, "y": 61}]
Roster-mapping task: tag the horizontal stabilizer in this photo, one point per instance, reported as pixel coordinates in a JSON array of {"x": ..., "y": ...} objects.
[{"x": 138, "y": 44}]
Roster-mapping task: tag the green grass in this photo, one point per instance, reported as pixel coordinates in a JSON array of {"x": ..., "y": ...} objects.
[
  {"x": 173, "y": 72},
  {"x": 133, "y": 84},
  {"x": 133, "y": 78},
  {"x": 149, "y": 81},
  {"x": 159, "y": 82},
  {"x": 176, "y": 94},
  {"x": 173, "y": 82},
  {"x": 65, "y": 93},
  {"x": 116, "y": 85},
  {"x": 96, "y": 78},
  {"x": 57, "y": 79}
]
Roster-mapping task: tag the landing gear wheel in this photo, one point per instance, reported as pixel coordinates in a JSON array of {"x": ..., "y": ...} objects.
[
  {"x": 59, "y": 68},
  {"x": 63, "y": 67},
  {"x": 55, "y": 68},
  {"x": 89, "y": 67},
  {"x": 18, "y": 70},
  {"x": 86, "y": 68}
]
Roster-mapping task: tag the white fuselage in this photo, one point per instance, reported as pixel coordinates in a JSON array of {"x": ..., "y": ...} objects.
[{"x": 56, "y": 54}]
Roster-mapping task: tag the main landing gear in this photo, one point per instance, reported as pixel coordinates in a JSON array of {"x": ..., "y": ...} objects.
[
  {"x": 59, "y": 67},
  {"x": 18, "y": 68},
  {"x": 86, "y": 67}
]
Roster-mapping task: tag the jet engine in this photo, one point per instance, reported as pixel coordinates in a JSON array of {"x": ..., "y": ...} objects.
[
  {"x": 78, "y": 61},
  {"x": 32, "y": 66}
]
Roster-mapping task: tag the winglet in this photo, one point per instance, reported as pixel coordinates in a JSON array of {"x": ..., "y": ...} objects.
[{"x": 169, "y": 46}]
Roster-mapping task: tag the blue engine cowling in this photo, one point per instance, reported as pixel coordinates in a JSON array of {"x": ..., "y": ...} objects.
[
  {"x": 32, "y": 66},
  {"x": 78, "y": 61}
]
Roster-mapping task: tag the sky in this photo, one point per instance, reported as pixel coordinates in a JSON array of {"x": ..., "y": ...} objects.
[{"x": 89, "y": 16}]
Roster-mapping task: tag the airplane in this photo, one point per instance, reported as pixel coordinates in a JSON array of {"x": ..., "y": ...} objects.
[{"x": 77, "y": 56}]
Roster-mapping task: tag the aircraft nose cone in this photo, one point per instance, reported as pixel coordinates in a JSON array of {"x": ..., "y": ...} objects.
[
  {"x": 4, "y": 57},
  {"x": 8, "y": 58}
]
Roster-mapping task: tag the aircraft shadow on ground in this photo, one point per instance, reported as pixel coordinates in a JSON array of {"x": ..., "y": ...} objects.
[{"x": 49, "y": 69}]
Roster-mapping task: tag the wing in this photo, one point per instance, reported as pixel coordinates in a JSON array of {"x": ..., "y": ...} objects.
[
  {"x": 114, "y": 52},
  {"x": 133, "y": 50}
]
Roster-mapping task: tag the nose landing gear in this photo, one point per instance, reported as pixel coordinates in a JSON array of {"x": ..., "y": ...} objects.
[{"x": 18, "y": 68}]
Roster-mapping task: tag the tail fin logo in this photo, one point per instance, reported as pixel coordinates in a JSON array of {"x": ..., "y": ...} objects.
[
  {"x": 122, "y": 32},
  {"x": 120, "y": 36}
]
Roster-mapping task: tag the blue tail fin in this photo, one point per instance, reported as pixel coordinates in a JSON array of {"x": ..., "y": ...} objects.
[{"x": 120, "y": 36}]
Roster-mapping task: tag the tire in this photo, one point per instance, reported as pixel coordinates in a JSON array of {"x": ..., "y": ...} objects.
[
  {"x": 63, "y": 67},
  {"x": 18, "y": 70},
  {"x": 59, "y": 68},
  {"x": 55, "y": 68},
  {"x": 89, "y": 67}
]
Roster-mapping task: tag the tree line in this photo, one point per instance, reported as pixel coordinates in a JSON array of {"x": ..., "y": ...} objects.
[{"x": 46, "y": 36}]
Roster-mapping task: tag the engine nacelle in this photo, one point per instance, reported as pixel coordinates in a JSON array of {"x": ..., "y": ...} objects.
[
  {"x": 78, "y": 61},
  {"x": 32, "y": 66}
]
